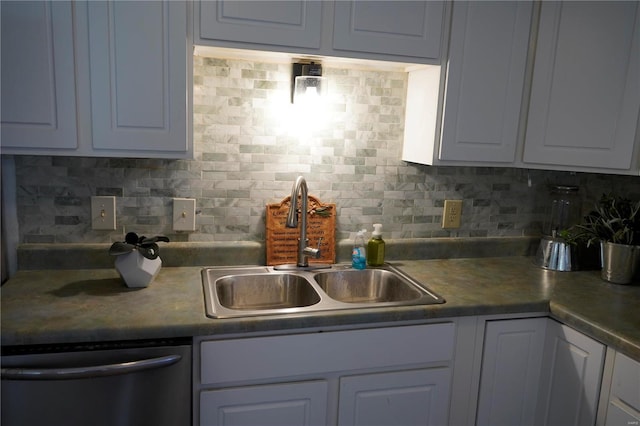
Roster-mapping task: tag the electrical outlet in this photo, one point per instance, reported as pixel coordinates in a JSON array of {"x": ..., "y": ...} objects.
[
  {"x": 184, "y": 214},
  {"x": 103, "y": 213},
  {"x": 452, "y": 214}
]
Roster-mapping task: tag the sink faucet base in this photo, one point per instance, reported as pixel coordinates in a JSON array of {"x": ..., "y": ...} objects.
[{"x": 295, "y": 267}]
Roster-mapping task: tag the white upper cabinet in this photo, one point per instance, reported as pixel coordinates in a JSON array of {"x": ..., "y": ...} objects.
[
  {"x": 138, "y": 62},
  {"x": 485, "y": 81},
  {"x": 407, "y": 28},
  {"x": 282, "y": 23},
  {"x": 471, "y": 115},
  {"x": 38, "y": 76},
  {"x": 585, "y": 94},
  {"x": 97, "y": 78},
  {"x": 570, "y": 102},
  {"x": 401, "y": 31}
]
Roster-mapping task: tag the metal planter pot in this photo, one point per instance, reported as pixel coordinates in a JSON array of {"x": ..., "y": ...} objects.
[{"x": 620, "y": 262}]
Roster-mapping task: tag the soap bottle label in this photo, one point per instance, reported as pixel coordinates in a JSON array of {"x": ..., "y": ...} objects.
[
  {"x": 375, "y": 252},
  {"x": 358, "y": 258}
]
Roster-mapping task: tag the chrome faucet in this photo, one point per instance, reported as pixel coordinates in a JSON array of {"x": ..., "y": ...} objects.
[{"x": 300, "y": 189}]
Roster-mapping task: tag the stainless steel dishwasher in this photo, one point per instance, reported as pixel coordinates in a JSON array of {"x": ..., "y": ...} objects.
[{"x": 114, "y": 384}]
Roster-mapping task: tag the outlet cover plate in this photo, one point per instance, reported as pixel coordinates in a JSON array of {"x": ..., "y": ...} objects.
[
  {"x": 184, "y": 214},
  {"x": 452, "y": 214},
  {"x": 103, "y": 213}
]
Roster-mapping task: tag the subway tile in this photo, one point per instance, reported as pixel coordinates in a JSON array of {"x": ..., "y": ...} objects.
[{"x": 247, "y": 156}]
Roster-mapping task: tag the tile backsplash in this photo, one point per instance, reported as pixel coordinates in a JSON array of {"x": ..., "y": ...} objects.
[{"x": 250, "y": 145}]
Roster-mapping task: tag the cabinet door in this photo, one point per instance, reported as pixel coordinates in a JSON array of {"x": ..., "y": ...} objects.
[
  {"x": 511, "y": 361},
  {"x": 38, "y": 75},
  {"x": 585, "y": 93},
  {"x": 571, "y": 377},
  {"x": 406, "y": 28},
  {"x": 281, "y": 23},
  {"x": 138, "y": 65},
  {"x": 485, "y": 80},
  {"x": 416, "y": 397},
  {"x": 295, "y": 404},
  {"x": 624, "y": 400}
]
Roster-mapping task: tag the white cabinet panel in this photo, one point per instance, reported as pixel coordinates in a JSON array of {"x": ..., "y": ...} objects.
[
  {"x": 485, "y": 81},
  {"x": 618, "y": 415},
  {"x": 571, "y": 377},
  {"x": 585, "y": 94},
  {"x": 513, "y": 352},
  {"x": 382, "y": 376},
  {"x": 282, "y": 356},
  {"x": 38, "y": 75},
  {"x": 402, "y": 31},
  {"x": 299, "y": 404},
  {"x": 282, "y": 23},
  {"x": 415, "y": 397},
  {"x": 624, "y": 399},
  {"x": 138, "y": 57},
  {"x": 407, "y": 28}
]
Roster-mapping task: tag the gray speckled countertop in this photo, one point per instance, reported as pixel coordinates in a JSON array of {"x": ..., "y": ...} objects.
[{"x": 90, "y": 305}]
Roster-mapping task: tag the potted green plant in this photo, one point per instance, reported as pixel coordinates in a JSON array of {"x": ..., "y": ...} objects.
[{"x": 615, "y": 224}]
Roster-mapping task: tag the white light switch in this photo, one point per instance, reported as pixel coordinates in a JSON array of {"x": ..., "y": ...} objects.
[
  {"x": 103, "y": 213},
  {"x": 184, "y": 214}
]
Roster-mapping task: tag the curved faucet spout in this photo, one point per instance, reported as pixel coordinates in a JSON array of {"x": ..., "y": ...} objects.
[{"x": 300, "y": 190}]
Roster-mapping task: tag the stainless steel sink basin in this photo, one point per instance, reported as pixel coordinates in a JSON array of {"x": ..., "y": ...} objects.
[
  {"x": 366, "y": 286},
  {"x": 232, "y": 292},
  {"x": 265, "y": 291}
]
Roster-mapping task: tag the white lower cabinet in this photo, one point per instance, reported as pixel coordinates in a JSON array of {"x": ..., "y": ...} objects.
[
  {"x": 413, "y": 397},
  {"x": 302, "y": 404},
  {"x": 571, "y": 377},
  {"x": 513, "y": 351},
  {"x": 507, "y": 370},
  {"x": 623, "y": 400},
  {"x": 393, "y": 375},
  {"x": 537, "y": 371}
]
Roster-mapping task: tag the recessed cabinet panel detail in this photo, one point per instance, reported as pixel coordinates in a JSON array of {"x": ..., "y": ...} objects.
[
  {"x": 623, "y": 400},
  {"x": 585, "y": 94},
  {"x": 38, "y": 75},
  {"x": 282, "y": 23},
  {"x": 138, "y": 84},
  {"x": 302, "y": 404},
  {"x": 409, "y": 28},
  {"x": 485, "y": 81},
  {"x": 513, "y": 352},
  {"x": 414, "y": 397},
  {"x": 570, "y": 379}
]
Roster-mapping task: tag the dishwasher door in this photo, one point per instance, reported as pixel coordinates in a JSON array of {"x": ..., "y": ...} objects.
[{"x": 111, "y": 387}]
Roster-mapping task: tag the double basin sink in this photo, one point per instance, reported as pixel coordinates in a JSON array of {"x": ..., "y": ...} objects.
[{"x": 232, "y": 292}]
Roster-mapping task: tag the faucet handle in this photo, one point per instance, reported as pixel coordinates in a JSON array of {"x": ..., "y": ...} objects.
[{"x": 313, "y": 252}]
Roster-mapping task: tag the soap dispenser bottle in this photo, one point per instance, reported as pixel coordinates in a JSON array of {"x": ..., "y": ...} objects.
[
  {"x": 375, "y": 247},
  {"x": 358, "y": 255}
]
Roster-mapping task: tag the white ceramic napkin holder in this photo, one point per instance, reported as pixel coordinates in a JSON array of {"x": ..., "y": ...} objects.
[{"x": 136, "y": 270}]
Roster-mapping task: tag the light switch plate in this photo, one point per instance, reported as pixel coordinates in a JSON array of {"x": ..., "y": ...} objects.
[
  {"x": 184, "y": 214},
  {"x": 103, "y": 213}
]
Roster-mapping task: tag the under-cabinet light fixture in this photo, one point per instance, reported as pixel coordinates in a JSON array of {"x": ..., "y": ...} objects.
[{"x": 307, "y": 83}]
